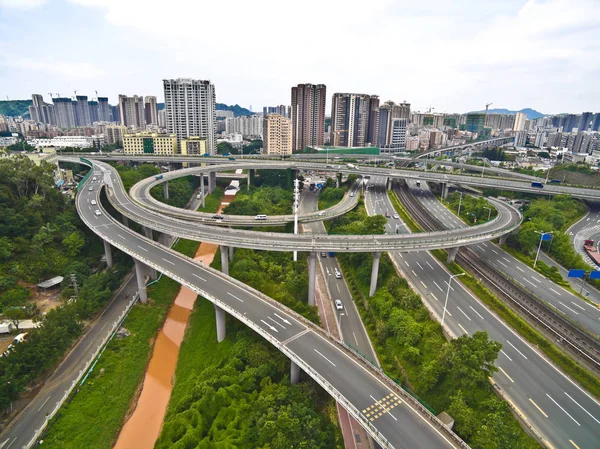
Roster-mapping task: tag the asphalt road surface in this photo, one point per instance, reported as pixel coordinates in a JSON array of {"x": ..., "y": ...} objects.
[{"x": 563, "y": 413}]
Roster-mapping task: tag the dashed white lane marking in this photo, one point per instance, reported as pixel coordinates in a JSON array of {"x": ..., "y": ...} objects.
[
  {"x": 514, "y": 347},
  {"x": 538, "y": 407},
  {"x": 520, "y": 269},
  {"x": 560, "y": 407},
  {"x": 464, "y": 330},
  {"x": 42, "y": 406},
  {"x": 527, "y": 280},
  {"x": 567, "y": 307},
  {"x": 429, "y": 265},
  {"x": 142, "y": 248},
  {"x": 495, "y": 252},
  {"x": 324, "y": 357},
  {"x": 436, "y": 284},
  {"x": 503, "y": 264},
  {"x": 233, "y": 296},
  {"x": 461, "y": 311},
  {"x": 578, "y": 306},
  {"x": 413, "y": 272},
  {"x": 121, "y": 236},
  {"x": 433, "y": 296},
  {"x": 505, "y": 355},
  {"x": 406, "y": 263},
  {"x": 168, "y": 261},
  {"x": 550, "y": 288},
  {"x": 201, "y": 278},
  {"x": 420, "y": 266},
  {"x": 423, "y": 284},
  {"x": 478, "y": 314},
  {"x": 579, "y": 405},
  {"x": 504, "y": 372},
  {"x": 536, "y": 279}
]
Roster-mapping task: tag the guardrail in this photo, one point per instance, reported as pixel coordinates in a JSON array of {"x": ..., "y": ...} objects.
[{"x": 87, "y": 175}]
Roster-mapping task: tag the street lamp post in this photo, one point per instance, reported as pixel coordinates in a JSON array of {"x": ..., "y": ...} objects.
[
  {"x": 459, "y": 204},
  {"x": 542, "y": 234},
  {"x": 296, "y": 201},
  {"x": 489, "y": 212},
  {"x": 448, "y": 294}
]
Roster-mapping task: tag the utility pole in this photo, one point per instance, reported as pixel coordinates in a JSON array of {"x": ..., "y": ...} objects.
[
  {"x": 75, "y": 287},
  {"x": 296, "y": 204}
]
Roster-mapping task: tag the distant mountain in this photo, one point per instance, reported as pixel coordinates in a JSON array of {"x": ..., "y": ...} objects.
[
  {"x": 15, "y": 108},
  {"x": 237, "y": 109},
  {"x": 531, "y": 114}
]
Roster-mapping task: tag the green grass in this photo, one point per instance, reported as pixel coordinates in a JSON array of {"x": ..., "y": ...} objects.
[
  {"x": 404, "y": 215},
  {"x": 562, "y": 360},
  {"x": 326, "y": 202},
  {"x": 95, "y": 414},
  {"x": 213, "y": 201}
]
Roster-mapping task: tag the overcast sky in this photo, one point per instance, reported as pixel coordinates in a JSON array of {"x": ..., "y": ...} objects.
[{"x": 453, "y": 55}]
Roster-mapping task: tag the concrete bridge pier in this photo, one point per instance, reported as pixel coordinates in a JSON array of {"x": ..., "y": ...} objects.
[
  {"x": 225, "y": 259},
  {"x": 452, "y": 252},
  {"x": 250, "y": 177},
  {"x": 125, "y": 221},
  {"x": 231, "y": 254},
  {"x": 108, "y": 254},
  {"x": 202, "y": 190},
  {"x": 141, "y": 281},
  {"x": 374, "y": 273},
  {"x": 294, "y": 373},
  {"x": 212, "y": 182},
  {"x": 389, "y": 183},
  {"x": 503, "y": 239},
  {"x": 312, "y": 274},
  {"x": 221, "y": 328},
  {"x": 147, "y": 232},
  {"x": 337, "y": 180},
  {"x": 166, "y": 190},
  {"x": 444, "y": 190}
]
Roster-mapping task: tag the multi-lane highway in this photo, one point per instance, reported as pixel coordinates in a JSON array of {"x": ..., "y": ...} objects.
[
  {"x": 570, "y": 305},
  {"x": 388, "y": 414},
  {"x": 558, "y": 409}
]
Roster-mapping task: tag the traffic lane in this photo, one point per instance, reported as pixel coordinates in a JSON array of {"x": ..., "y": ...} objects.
[
  {"x": 517, "y": 360},
  {"x": 357, "y": 386}
]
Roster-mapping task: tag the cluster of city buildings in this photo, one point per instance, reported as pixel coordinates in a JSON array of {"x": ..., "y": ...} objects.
[{"x": 189, "y": 123}]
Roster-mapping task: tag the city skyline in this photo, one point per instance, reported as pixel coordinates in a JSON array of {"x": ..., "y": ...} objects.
[{"x": 470, "y": 49}]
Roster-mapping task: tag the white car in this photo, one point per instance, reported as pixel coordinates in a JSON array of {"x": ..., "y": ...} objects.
[
  {"x": 339, "y": 305},
  {"x": 93, "y": 202},
  {"x": 94, "y": 178},
  {"x": 97, "y": 212},
  {"x": 91, "y": 189},
  {"x": 396, "y": 216},
  {"x": 338, "y": 274}
]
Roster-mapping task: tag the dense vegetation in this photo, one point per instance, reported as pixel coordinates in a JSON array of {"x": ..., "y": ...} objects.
[
  {"x": 472, "y": 209},
  {"x": 15, "y": 108},
  {"x": 43, "y": 237},
  {"x": 266, "y": 200},
  {"x": 237, "y": 394},
  {"x": 451, "y": 376}
]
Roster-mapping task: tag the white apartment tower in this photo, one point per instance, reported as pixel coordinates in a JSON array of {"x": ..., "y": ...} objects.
[
  {"x": 191, "y": 110},
  {"x": 520, "y": 119},
  {"x": 131, "y": 110}
]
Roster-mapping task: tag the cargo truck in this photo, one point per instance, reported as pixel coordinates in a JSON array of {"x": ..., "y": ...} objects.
[
  {"x": 590, "y": 248},
  {"x": 537, "y": 185},
  {"x": 158, "y": 177}
]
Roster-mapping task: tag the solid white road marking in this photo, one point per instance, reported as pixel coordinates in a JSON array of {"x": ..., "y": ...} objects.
[
  {"x": 41, "y": 406},
  {"x": 504, "y": 372},
  {"x": 471, "y": 307},
  {"x": 579, "y": 405},
  {"x": 382, "y": 406},
  {"x": 273, "y": 328},
  {"x": 232, "y": 295},
  {"x": 566, "y": 413},
  {"x": 461, "y": 311},
  {"x": 281, "y": 318},
  {"x": 505, "y": 354},
  {"x": 550, "y": 288},
  {"x": 142, "y": 248},
  {"x": 513, "y": 346},
  {"x": 168, "y": 261},
  {"x": 277, "y": 322},
  {"x": 317, "y": 351},
  {"x": 201, "y": 278},
  {"x": 567, "y": 307},
  {"x": 355, "y": 339}
]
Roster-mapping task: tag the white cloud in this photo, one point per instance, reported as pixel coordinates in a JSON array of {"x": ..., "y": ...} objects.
[
  {"x": 74, "y": 70},
  {"x": 21, "y": 4}
]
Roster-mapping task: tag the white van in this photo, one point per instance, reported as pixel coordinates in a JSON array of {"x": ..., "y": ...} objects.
[
  {"x": 260, "y": 217},
  {"x": 352, "y": 194}
]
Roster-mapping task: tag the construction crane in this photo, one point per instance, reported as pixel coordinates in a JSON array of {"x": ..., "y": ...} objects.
[
  {"x": 50, "y": 93},
  {"x": 75, "y": 97},
  {"x": 486, "y": 113},
  {"x": 431, "y": 108},
  {"x": 96, "y": 95}
]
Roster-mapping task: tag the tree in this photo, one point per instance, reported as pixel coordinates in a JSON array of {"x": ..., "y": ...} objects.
[
  {"x": 73, "y": 243},
  {"x": 224, "y": 147},
  {"x": 14, "y": 315}
]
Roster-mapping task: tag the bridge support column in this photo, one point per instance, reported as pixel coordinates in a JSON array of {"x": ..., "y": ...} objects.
[
  {"x": 125, "y": 221},
  {"x": 108, "y": 254},
  {"x": 221, "y": 329},
  {"x": 337, "y": 181},
  {"x": 147, "y": 232},
  {"x": 389, "y": 183},
  {"x": 225, "y": 259},
  {"x": 294, "y": 373},
  {"x": 503, "y": 239},
  {"x": 444, "y": 190},
  {"x": 312, "y": 276},
  {"x": 141, "y": 281},
  {"x": 250, "y": 177},
  {"x": 166, "y": 190},
  {"x": 202, "y": 189},
  {"x": 231, "y": 254},
  {"x": 452, "y": 252},
  {"x": 374, "y": 273},
  {"x": 212, "y": 182}
]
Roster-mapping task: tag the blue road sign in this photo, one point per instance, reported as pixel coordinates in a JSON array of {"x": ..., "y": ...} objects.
[
  {"x": 320, "y": 186},
  {"x": 595, "y": 275},
  {"x": 576, "y": 273},
  {"x": 546, "y": 236}
]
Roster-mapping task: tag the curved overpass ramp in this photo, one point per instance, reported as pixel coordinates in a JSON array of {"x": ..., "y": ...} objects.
[{"x": 354, "y": 383}]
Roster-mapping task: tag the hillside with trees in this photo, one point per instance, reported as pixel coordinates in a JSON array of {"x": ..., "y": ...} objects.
[{"x": 15, "y": 108}]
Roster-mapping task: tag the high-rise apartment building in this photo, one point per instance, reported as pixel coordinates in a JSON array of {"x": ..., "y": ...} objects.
[
  {"x": 383, "y": 124},
  {"x": 351, "y": 116},
  {"x": 115, "y": 114},
  {"x": 151, "y": 110},
  {"x": 308, "y": 115},
  {"x": 191, "y": 110},
  {"x": 277, "y": 135},
  {"x": 281, "y": 110},
  {"x": 82, "y": 111},
  {"x": 94, "y": 110},
  {"x": 586, "y": 121},
  {"x": 64, "y": 112},
  {"x": 40, "y": 111},
  {"x": 131, "y": 111},
  {"x": 246, "y": 125},
  {"x": 520, "y": 138},
  {"x": 193, "y": 145},
  {"x": 114, "y": 134},
  {"x": 162, "y": 118},
  {"x": 150, "y": 143},
  {"x": 475, "y": 122},
  {"x": 520, "y": 120},
  {"x": 103, "y": 109}
]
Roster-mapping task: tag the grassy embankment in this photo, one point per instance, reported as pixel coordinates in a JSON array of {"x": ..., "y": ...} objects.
[{"x": 562, "y": 360}]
